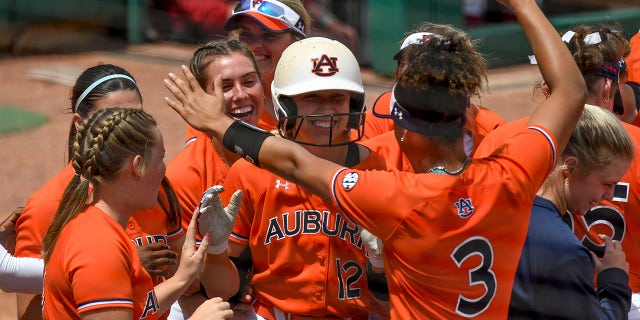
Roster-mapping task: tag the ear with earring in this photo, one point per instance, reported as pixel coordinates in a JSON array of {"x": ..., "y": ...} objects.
[{"x": 566, "y": 172}]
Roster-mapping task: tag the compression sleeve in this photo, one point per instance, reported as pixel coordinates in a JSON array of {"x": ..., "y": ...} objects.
[{"x": 18, "y": 274}]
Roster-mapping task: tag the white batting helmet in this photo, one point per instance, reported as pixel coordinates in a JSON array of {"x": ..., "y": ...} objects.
[{"x": 315, "y": 64}]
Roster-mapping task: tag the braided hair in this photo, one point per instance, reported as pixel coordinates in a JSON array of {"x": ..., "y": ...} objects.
[{"x": 102, "y": 146}]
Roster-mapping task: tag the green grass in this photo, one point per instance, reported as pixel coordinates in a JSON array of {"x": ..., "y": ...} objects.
[{"x": 13, "y": 119}]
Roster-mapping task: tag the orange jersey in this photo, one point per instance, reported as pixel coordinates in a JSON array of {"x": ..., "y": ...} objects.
[
  {"x": 451, "y": 243},
  {"x": 193, "y": 170},
  {"x": 95, "y": 266},
  {"x": 308, "y": 258},
  {"x": 609, "y": 216},
  {"x": 38, "y": 213},
  {"x": 373, "y": 125},
  {"x": 386, "y": 145},
  {"x": 144, "y": 227},
  {"x": 198, "y": 166}
]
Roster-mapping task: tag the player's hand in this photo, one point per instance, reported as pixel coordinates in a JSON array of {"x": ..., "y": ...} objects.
[
  {"x": 8, "y": 230},
  {"x": 213, "y": 309},
  {"x": 374, "y": 248},
  {"x": 614, "y": 256},
  {"x": 216, "y": 220},
  {"x": 192, "y": 259},
  {"x": 199, "y": 108},
  {"x": 155, "y": 257}
]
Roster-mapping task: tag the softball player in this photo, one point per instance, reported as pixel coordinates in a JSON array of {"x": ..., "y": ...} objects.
[
  {"x": 153, "y": 231},
  {"x": 268, "y": 27},
  {"x": 118, "y": 155},
  {"x": 453, "y": 234},
  {"x": 479, "y": 120},
  {"x": 295, "y": 237},
  {"x": 203, "y": 162}
]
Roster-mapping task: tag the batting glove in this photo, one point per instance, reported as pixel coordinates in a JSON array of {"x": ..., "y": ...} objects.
[
  {"x": 216, "y": 220},
  {"x": 373, "y": 246}
]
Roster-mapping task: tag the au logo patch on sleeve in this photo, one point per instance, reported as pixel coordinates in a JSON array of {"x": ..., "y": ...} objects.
[{"x": 349, "y": 180}]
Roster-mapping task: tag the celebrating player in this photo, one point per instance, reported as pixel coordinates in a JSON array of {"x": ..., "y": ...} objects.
[
  {"x": 118, "y": 159},
  {"x": 451, "y": 236},
  {"x": 153, "y": 231},
  {"x": 479, "y": 120},
  {"x": 203, "y": 162},
  {"x": 268, "y": 27},
  {"x": 296, "y": 237}
]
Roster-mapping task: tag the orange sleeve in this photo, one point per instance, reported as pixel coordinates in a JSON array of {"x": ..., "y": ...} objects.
[
  {"x": 38, "y": 214},
  {"x": 194, "y": 169}
]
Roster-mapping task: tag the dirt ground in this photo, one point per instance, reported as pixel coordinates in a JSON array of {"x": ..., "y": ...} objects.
[{"x": 42, "y": 83}]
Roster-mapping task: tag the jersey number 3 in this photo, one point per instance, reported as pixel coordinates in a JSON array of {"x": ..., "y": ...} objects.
[{"x": 480, "y": 275}]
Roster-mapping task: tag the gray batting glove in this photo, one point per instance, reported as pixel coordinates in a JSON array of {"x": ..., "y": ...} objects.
[
  {"x": 217, "y": 220},
  {"x": 373, "y": 246}
]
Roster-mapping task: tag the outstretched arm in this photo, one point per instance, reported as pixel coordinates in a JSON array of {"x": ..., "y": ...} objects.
[
  {"x": 20, "y": 274},
  {"x": 560, "y": 112},
  {"x": 207, "y": 113}
]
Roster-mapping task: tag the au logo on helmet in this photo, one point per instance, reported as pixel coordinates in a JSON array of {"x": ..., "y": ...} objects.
[{"x": 325, "y": 66}]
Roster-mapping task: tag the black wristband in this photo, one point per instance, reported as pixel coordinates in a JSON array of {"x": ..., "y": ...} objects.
[
  {"x": 377, "y": 283},
  {"x": 245, "y": 140}
]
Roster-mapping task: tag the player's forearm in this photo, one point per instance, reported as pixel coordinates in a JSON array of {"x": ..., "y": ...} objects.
[
  {"x": 220, "y": 276},
  {"x": 20, "y": 274},
  {"x": 170, "y": 290},
  {"x": 560, "y": 112}
]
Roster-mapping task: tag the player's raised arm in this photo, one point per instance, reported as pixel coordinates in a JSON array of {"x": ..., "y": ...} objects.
[{"x": 561, "y": 110}]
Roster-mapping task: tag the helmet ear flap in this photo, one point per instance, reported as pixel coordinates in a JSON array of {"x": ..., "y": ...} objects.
[
  {"x": 356, "y": 110},
  {"x": 286, "y": 112}
]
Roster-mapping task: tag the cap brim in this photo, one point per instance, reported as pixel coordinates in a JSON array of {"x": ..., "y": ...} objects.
[
  {"x": 398, "y": 55},
  {"x": 269, "y": 23}
]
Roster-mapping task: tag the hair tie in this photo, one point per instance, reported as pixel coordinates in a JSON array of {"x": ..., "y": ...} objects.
[
  {"x": 566, "y": 37},
  {"x": 592, "y": 38},
  {"x": 98, "y": 82}
]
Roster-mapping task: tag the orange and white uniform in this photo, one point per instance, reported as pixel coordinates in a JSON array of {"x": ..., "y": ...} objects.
[
  {"x": 608, "y": 217},
  {"x": 144, "y": 227},
  {"x": 194, "y": 169},
  {"x": 95, "y": 266},
  {"x": 308, "y": 258},
  {"x": 451, "y": 243},
  {"x": 198, "y": 166}
]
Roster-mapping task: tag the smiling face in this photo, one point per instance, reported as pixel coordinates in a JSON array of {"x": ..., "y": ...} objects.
[
  {"x": 321, "y": 130},
  {"x": 588, "y": 189},
  {"x": 266, "y": 46},
  {"x": 241, "y": 85}
]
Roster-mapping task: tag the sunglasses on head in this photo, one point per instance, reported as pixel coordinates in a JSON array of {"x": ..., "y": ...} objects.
[{"x": 273, "y": 9}]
